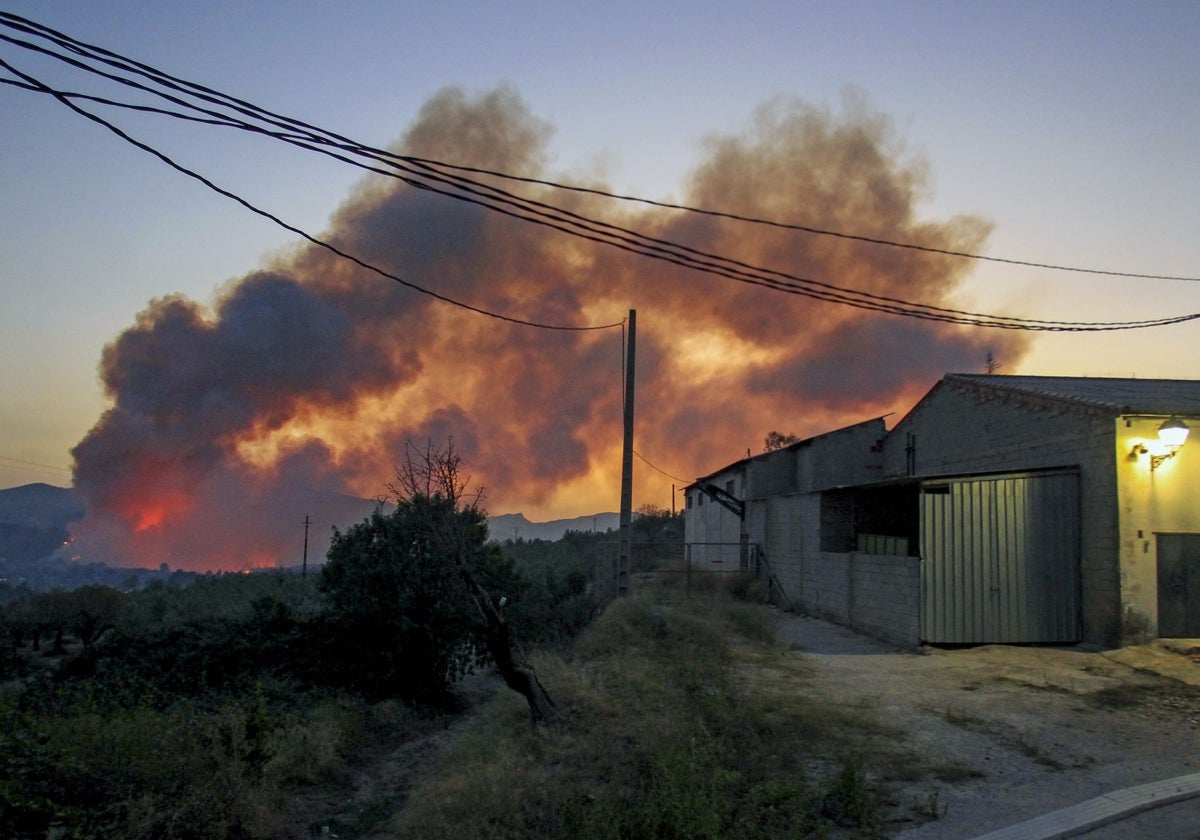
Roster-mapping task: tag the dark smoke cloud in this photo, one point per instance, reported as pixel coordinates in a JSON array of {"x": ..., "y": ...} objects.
[{"x": 306, "y": 380}]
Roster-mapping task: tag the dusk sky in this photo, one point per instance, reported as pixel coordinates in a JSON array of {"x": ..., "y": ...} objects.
[{"x": 1072, "y": 128}]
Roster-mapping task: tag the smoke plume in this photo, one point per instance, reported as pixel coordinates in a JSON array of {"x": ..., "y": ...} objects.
[{"x": 303, "y": 381}]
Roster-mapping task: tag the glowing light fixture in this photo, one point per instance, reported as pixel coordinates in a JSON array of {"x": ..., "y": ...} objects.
[{"x": 1172, "y": 435}]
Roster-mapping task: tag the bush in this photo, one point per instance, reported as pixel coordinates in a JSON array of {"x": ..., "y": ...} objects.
[
  {"x": 401, "y": 620},
  {"x": 665, "y": 739}
]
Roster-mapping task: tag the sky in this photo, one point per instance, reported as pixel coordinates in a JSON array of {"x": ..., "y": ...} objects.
[{"x": 1066, "y": 130}]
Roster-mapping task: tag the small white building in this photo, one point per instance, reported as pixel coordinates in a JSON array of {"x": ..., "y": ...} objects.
[{"x": 1000, "y": 509}]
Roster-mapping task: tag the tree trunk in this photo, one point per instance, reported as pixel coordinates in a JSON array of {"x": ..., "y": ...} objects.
[
  {"x": 518, "y": 677},
  {"x": 59, "y": 648}
]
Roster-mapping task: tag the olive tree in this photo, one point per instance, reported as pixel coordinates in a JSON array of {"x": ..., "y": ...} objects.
[
  {"x": 431, "y": 482},
  {"x": 419, "y": 581}
]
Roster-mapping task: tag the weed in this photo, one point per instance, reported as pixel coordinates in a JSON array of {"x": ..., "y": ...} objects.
[
  {"x": 1123, "y": 696},
  {"x": 664, "y": 740},
  {"x": 745, "y": 587},
  {"x": 954, "y": 773},
  {"x": 852, "y": 801},
  {"x": 1031, "y": 749},
  {"x": 751, "y": 620},
  {"x": 931, "y": 806}
]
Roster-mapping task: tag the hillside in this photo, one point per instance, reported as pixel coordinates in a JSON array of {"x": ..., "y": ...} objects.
[
  {"x": 514, "y": 526},
  {"x": 34, "y": 520},
  {"x": 40, "y": 506}
]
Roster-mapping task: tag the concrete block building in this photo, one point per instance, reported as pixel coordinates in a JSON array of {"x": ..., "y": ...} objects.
[{"x": 1000, "y": 509}]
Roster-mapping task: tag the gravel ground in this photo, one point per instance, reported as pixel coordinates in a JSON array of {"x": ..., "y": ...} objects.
[{"x": 1047, "y": 727}]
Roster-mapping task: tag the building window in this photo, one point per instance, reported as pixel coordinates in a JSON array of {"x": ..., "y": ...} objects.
[{"x": 729, "y": 487}]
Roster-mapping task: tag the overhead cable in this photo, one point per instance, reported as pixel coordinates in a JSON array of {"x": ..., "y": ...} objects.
[
  {"x": 290, "y": 227},
  {"x": 114, "y": 59},
  {"x": 659, "y": 469},
  {"x": 444, "y": 179}
]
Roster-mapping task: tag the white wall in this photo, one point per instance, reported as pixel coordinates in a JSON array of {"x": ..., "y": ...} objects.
[
  {"x": 711, "y": 532},
  {"x": 1163, "y": 500}
]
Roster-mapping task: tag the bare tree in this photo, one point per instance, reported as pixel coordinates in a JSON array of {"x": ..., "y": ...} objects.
[{"x": 430, "y": 481}]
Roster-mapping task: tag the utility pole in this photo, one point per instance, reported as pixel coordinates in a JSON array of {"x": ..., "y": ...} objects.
[
  {"x": 627, "y": 466},
  {"x": 304, "y": 565}
]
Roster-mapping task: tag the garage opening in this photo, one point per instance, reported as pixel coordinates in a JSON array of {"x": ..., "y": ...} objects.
[{"x": 1000, "y": 559}]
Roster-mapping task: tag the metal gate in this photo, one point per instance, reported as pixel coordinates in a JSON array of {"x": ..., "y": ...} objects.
[
  {"x": 1179, "y": 586},
  {"x": 1000, "y": 559}
]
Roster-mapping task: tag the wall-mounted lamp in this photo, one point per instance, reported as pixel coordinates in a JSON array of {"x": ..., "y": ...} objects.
[{"x": 1172, "y": 435}]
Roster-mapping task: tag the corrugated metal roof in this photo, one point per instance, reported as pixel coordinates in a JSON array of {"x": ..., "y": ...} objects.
[{"x": 1121, "y": 396}]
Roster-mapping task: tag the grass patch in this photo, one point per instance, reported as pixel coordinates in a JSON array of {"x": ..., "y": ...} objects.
[
  {"x": 1122, "y": 696},
  {"x": 667, "y": 735}
]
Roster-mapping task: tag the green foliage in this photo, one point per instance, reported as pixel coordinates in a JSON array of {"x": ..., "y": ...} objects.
[
  {"x": 551, "y": 595},
  {"x": 401, "y": 620},
  {"x": 851, "y": 800},
  {"x": 189, "y": 771},
  {"x": 200, "y": 710},
  {"x": 664, "y": 739},
  {"x": 745, "y": 587},
  {"x": 656, "y": 539}
]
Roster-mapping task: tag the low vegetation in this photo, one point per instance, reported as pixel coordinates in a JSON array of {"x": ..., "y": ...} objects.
[
  {"x": 679, "y": 724},
  {"x": 254, "y": 706}
]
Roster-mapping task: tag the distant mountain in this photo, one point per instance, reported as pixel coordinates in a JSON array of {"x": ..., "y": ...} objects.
[
  {"x": 34, "y": 520},
  {"x": 40, "y": 506},
  {"x": 514, "y": 526}
]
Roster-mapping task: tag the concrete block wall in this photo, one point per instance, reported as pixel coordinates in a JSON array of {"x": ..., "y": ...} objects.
[
  {"x": 886, "y": 597},
  {"x": 788, "y": 529},
  {"x": 827, "y": 586},
  {"x": 964, "y": 429},
  {"x": 876, "y": 595}
]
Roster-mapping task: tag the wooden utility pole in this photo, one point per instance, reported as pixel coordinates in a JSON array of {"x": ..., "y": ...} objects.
[
  {"x": 627, "y": 465},
  {"x": 304, "y": 564}
]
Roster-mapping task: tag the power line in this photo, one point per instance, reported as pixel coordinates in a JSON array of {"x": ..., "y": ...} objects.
[
  {"x": 659, "y": 469},
  {"x": 23, "y": 463},
  {"x": 738, "y": 217},
  {"x": 628, "y": 240},
  {"x": 144, "y": 69},
  {"x": 425, "y": 174},
  {"x": 115, "y": 59},
  {"x": 287, "y": 226}
]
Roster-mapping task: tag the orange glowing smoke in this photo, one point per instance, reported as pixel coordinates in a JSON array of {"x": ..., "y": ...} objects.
[
  {"x": 305, "y": 379},
  {"x": 147, "y": 518}
]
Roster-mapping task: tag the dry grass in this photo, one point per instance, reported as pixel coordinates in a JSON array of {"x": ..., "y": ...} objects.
[{"x": 685, "y": 719}]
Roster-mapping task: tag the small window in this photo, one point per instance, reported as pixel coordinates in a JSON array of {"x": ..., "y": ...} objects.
[{"x": 729, "y": 487}]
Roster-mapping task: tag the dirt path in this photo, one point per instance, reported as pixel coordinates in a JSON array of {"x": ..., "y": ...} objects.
[
  {"x": 1045, "y": 727},
  {"x": 377, "y": 782}
]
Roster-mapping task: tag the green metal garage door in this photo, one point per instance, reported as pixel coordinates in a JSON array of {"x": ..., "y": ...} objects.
[
  {"x": 1000, "y": 559},
  {"x": 1179, "y": 586}
]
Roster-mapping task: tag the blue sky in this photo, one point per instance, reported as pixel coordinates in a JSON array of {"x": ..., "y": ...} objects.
[{"x": 1072, "y": 126}]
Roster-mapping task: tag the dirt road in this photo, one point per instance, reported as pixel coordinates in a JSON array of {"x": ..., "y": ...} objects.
[{"x": 1044, "y": 727}]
